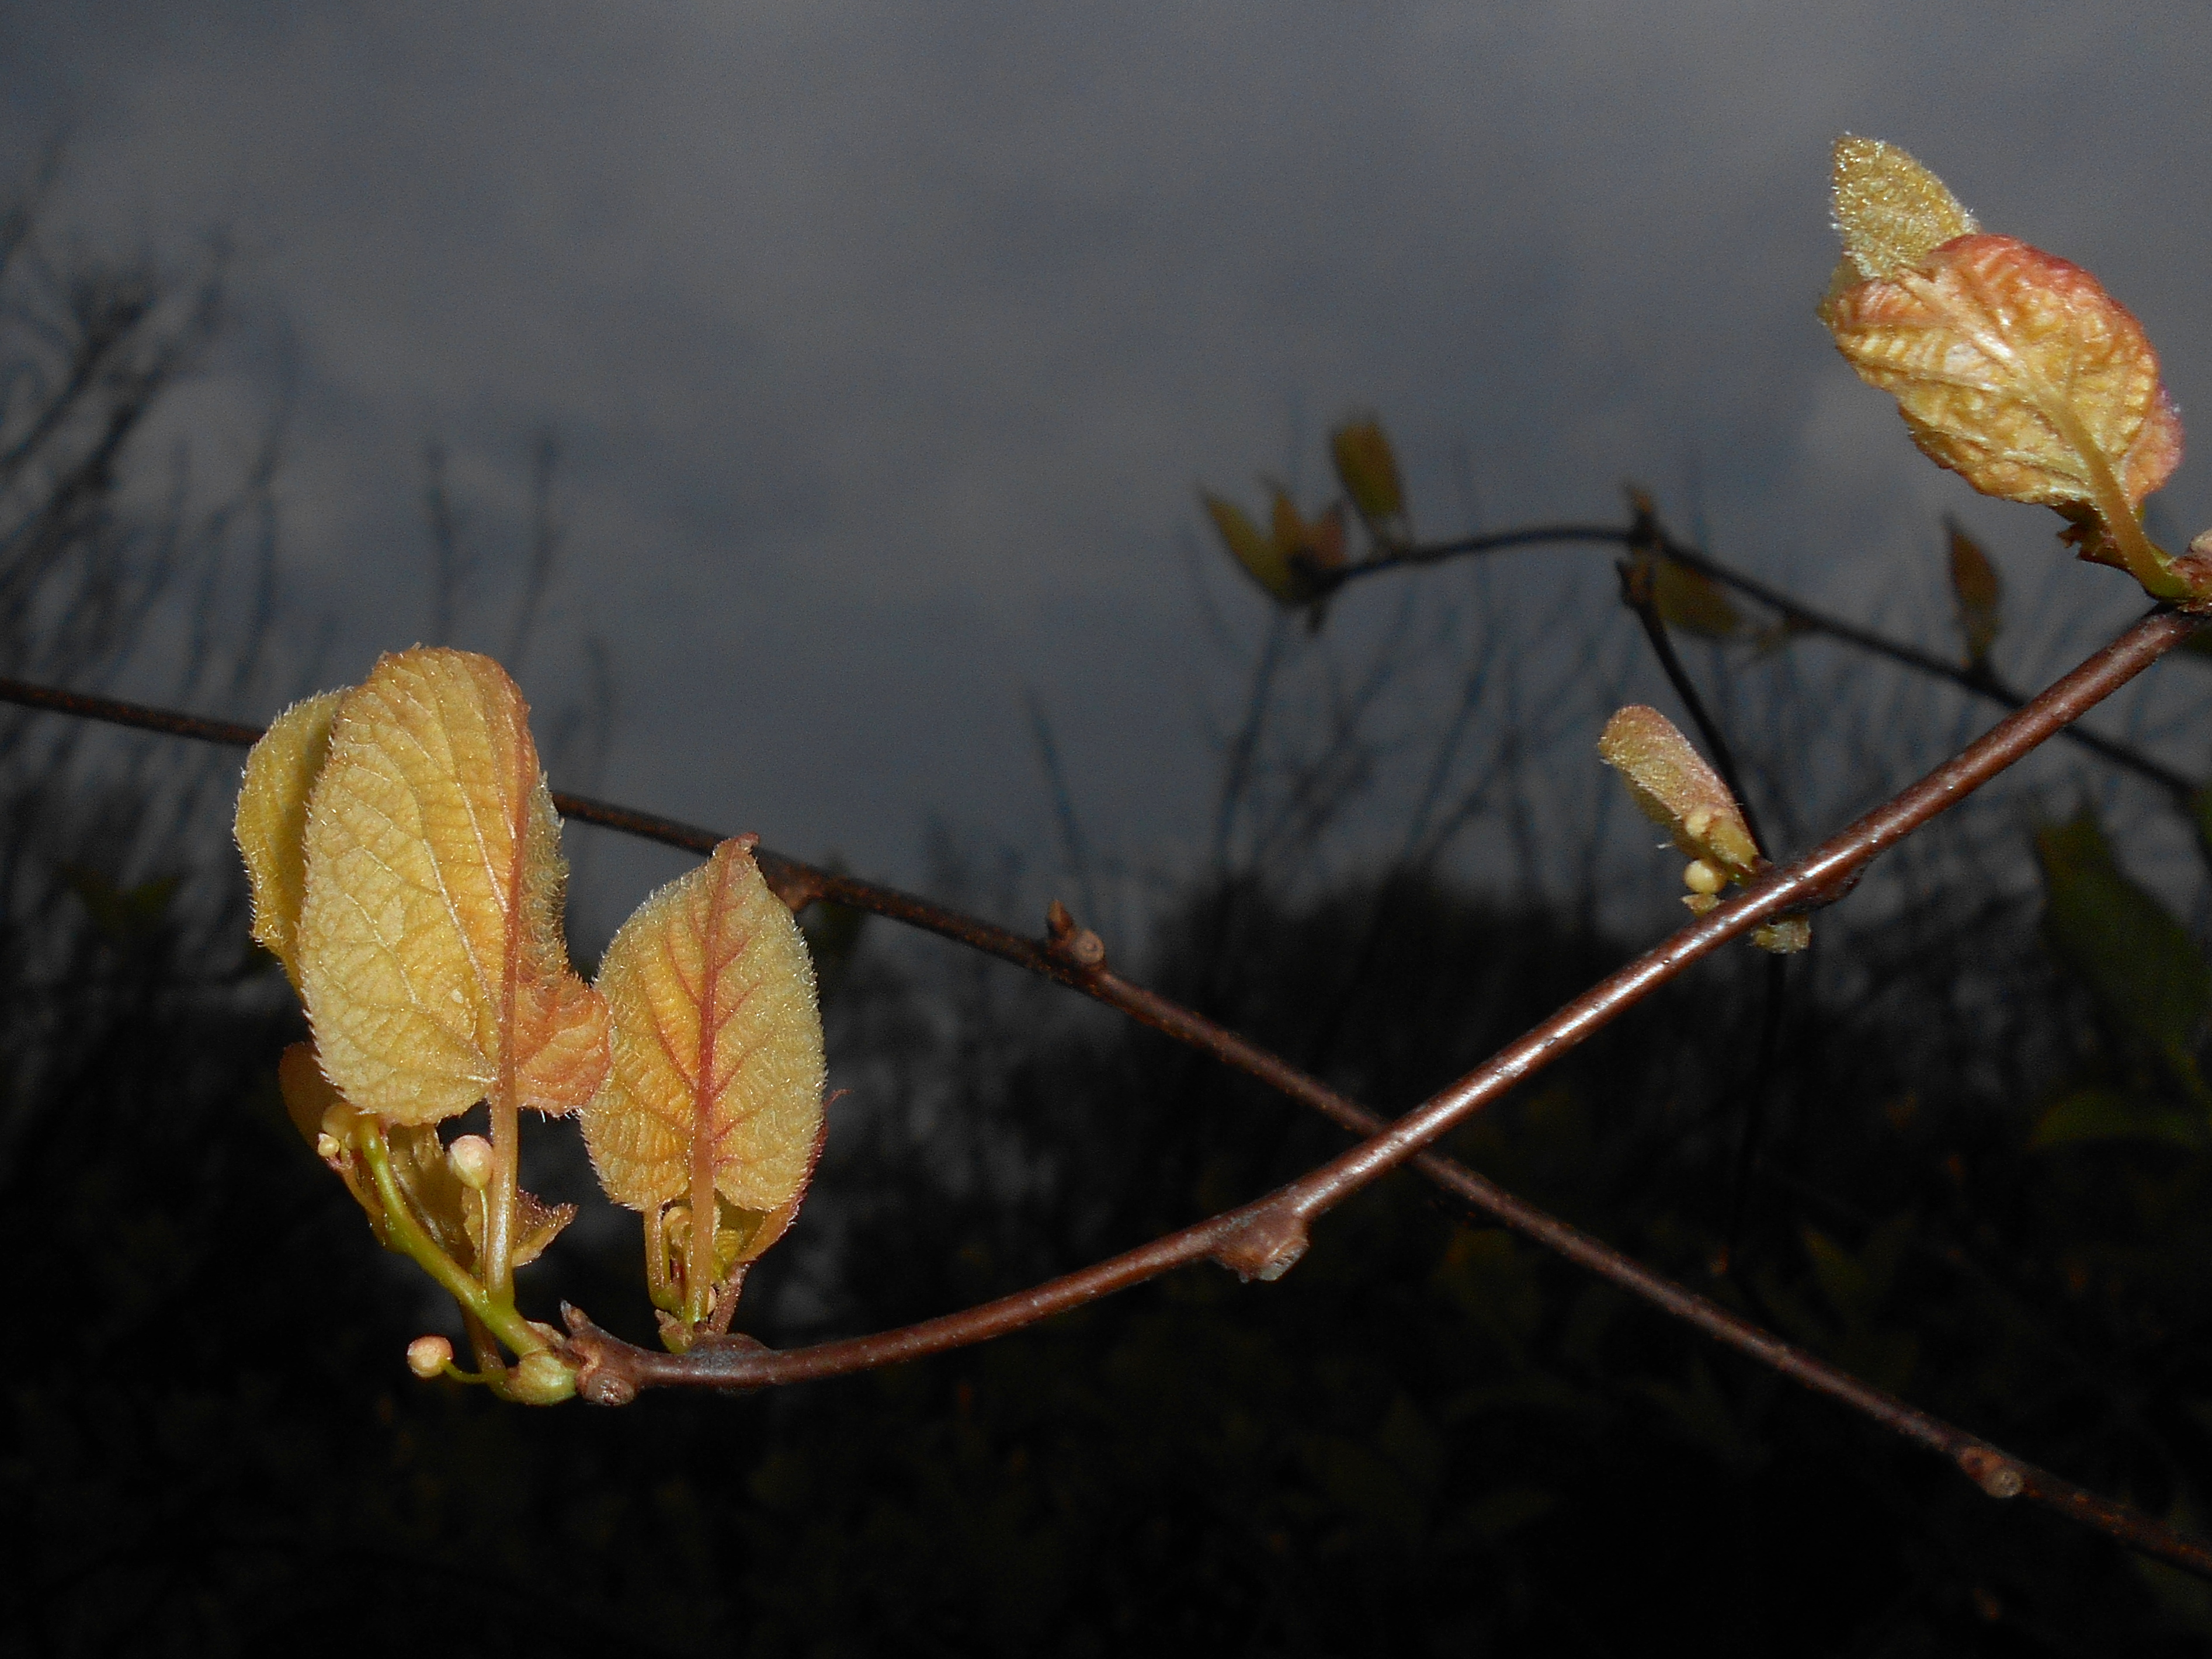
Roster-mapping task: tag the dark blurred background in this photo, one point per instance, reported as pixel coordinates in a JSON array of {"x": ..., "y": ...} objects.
[{"x": 807, "y": 405}]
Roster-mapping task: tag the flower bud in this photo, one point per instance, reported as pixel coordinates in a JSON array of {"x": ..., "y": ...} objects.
[
  {"x": 470, "y": 1159},
  {"x": 428, "y": 1356}
]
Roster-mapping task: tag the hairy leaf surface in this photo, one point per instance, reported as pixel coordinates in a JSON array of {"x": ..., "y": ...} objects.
[
  {"x": 716, "y": 1084},
  {"x": 1673, "y": 786},
  {"x": 2015, "y": 370},
  {"x": 430, "y": 953},
  {"x": 1891, "y": 211},
  {"x": 271, "y": 824}
]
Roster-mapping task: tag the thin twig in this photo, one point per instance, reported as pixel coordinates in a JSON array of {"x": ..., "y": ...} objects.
[
  {"x": 1980, "y": 680},
  {"x": 1639, "y": 592}
]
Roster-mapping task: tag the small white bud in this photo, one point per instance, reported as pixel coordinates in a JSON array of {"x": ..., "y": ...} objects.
[
  {"x": 1702, "y": 877},
  {"x": 328, "y": 1149},
  {"x": 470, "y": 1159},
  {"x": 427, "y": 1356}
]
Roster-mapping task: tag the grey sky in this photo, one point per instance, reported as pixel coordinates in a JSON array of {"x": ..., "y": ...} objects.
[{"x": 886, "y": 342}]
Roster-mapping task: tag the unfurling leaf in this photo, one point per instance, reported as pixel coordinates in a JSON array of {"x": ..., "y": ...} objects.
[
  {"x": 1692, "y": 601},
  {"x": 428, "y": 942},
  {"x": 1368, "y": 469},
  {"x": 714, "y": 1097},
  {"x": 272, "y": 825},
  {"x": 1672, "y": 786},
  {"x": 2012, "y": 367},
  {"x": 1297, "y": 563},
  {"x": 1263, "y": 560},
  {"x": 1974, "y": 585},
  {"x": 1891, "y": 211},
  {"x": 1317, "y": 544}
]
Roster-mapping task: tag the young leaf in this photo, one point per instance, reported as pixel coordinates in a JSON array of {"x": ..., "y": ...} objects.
[
  {"x": 2016, "y": 370},
  {"x": 1974, "y": 585},
  {"x": 1674, "y": 787},
  {"x": 1263, "y": 559},
  {"x": 1692, "y": 601},
  {"x": 1891, "y": 211},
  {"x": 715, "y": 1092},
  {"x": 2133, "y": 955},
  {"x": 1368, "y": 469},
  {"x": 429, "y": 941},
  {"x": 2088, "y": 1115},
  {"x": 271, "y": 824},
  {"x": 1315, "y": 543}
]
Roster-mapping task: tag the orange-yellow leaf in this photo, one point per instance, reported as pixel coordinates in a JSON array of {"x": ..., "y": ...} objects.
[
  {"x": 716, "y": 1084},
  {"x": 1317, "y": 545},
  {"x": 1672, "y": 786},
  {"x": 1261, "y": 558},
  {"x": 1974, "y": 585},
  {"x": 309, "y": 1099},
  {"x": 1891, "y": 211},
  {"x": 429, "y": 942},
  {"x": 1692, "y": 601},
  {"x": 1368, "y": 469},
  {"x": 2016, "y": 370},
  {"x": 272, "y": 825}
]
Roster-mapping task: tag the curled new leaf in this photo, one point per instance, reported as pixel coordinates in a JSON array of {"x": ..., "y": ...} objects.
[
  {"x": 1262, "y": 559},
  {"x": 429, "y": 943},
  {"x": 271, "y": 824},
  {"x": 1368, "y": 469},
  {"x": 1316, "y": 546},
  {"x": 2012, "y": 367},
  {"x": 1891, "y": 211},
  {"x": 1297, "y": 562},
  {"x": 1974, "y": 585},
  {"x": 1672, "y": 786},
  {"x": 715, "y": 1091},
  {"x": 1692, "y": 601}
]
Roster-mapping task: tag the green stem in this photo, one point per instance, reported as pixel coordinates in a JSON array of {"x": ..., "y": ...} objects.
[
  {"x": 498, "y": 1253},
  {"x": 403, "y": 1230},
  {"x": 2147, "y": 561}
]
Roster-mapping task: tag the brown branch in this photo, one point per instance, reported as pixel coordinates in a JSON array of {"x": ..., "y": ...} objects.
[
  {"x": 1276, "y": 1235},
  {"x": 1979, "y": 679},
  {"x": 613, "y": 1372}
]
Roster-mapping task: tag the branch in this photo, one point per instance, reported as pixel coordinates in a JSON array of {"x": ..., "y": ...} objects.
[
  {"x": 613, "y": 1371},
  {"x": 1980, "y": 680},
  {"x": 1276, "y": 1234}
]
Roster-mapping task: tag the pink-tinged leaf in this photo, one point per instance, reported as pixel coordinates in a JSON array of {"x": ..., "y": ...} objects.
[
  {"x": 2015, "y": 370},
  {"x": 714, "y": 1098}
]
